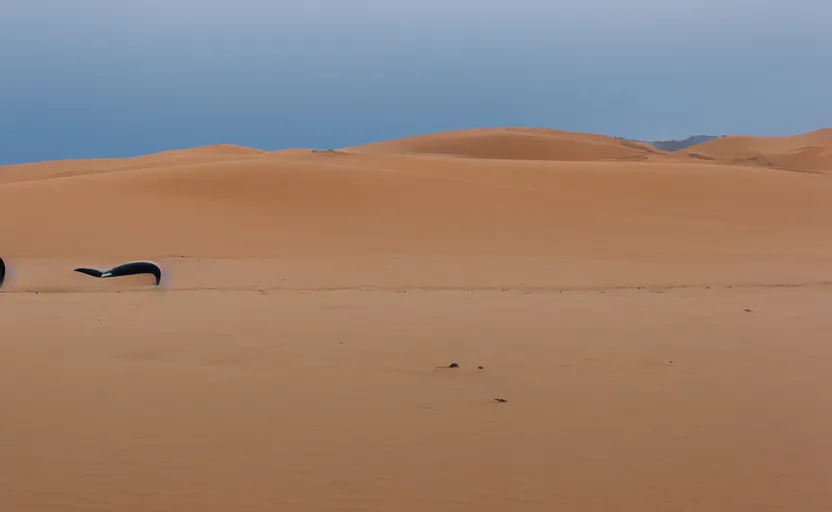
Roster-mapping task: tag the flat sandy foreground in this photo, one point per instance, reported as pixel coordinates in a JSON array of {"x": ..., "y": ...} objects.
[{"x": 659, "y": 327}]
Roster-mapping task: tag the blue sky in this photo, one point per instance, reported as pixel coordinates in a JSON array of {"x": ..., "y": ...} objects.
[{"x": 101, "y": 78}]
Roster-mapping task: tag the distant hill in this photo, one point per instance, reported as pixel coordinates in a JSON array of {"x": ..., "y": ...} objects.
[
  {"x": 518, "y": 143},
  {"x": 807, "y": 152},
  {"x": 675, "y": 145}
]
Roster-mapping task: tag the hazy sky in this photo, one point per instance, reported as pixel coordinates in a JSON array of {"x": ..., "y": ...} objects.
[{"x": 97, "y": 78}]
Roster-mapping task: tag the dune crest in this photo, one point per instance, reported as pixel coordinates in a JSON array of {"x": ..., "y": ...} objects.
[
  {"x": 514, "y": 143},
  {"x": 173, "y": 157},
  {"x": 364, "y": 201},
  {"x": 810, "y": 151}
]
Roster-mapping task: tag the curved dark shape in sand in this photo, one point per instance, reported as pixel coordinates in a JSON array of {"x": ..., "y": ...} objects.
[
  {"x": 2, "y": 272},
  {"x": 125, "y": 269}
]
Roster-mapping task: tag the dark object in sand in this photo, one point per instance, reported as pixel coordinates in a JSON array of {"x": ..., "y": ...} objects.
[
  {"x": 452, "y": 365},
  {"x": 2, "y": 272},
  {"x": 125, "y": 269},
  {"x": 479, "y": 368},
  {"x": 501, "y": 400}
]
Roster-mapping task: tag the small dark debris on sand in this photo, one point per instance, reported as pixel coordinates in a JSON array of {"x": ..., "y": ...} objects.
[
  {"x": 501, "y": 400},
  {"x": 747, "y": 310},
  {"x": 480, "y": 368},
  {"x": 452, "y": 365}
]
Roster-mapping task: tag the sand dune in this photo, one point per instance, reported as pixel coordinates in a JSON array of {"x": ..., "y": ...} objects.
[
  {"x": 518, "y": 144},
  {"x": 658, "y": 324},
  {"x": 806, "y": 152},
  {"x": 320, "y": 202},
  {"x": 184, "y": 157}
]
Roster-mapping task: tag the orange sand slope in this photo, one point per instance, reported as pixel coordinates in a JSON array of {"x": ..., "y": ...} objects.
[
  {"x": 659, "y": 325},
  {"x": 35, "y": 171},
  {"x": 231, "y": 202},
  {"x": 362, "y": 203},
  {"x": 806, "y": 152},
  {"x": 520, "y": 144}
]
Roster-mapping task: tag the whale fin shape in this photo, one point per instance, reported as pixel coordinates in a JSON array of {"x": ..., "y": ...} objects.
[
  {"x": 94, "y": 272},
  {"x": 136, "y": 267},
  {"x": 125, "y": 269}
]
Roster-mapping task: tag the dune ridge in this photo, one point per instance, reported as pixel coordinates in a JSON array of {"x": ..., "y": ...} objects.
[
  {"x": 804, "y": 152},
  {"x": 517, "y": 143},
  {"x": 810, "y": 151},
  {"x": 177, "y": 157},
  {"x": 407, "y": 196},
  {"x": 390, "y": 203}
]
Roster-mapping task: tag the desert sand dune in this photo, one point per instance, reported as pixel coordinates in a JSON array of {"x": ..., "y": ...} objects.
[
  {"x": 659, "y": 329},
  {"x": 805, "y": 152},
  {"x": 519, "y": 144},
  {"x": 36, "y": 171},
  {"x": 391, "y": 204}
]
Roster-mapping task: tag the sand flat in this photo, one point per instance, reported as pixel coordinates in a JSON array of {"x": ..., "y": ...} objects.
[
  {"x": 659, "y": 328},
  {"x": 328, "y": 400}
]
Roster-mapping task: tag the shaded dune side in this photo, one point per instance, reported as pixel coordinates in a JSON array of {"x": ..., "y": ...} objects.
[
  {"x": 518, "y": 144},
  {"x": 810, "y": 152}
]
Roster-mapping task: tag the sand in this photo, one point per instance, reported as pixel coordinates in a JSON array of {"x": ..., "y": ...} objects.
[
  {"x": 807, "y": 152},
  {"x": 657, "y": 323}
]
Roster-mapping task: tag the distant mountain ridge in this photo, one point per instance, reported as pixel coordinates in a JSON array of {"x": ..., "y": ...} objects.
[{"x": 676, "y": 145}]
